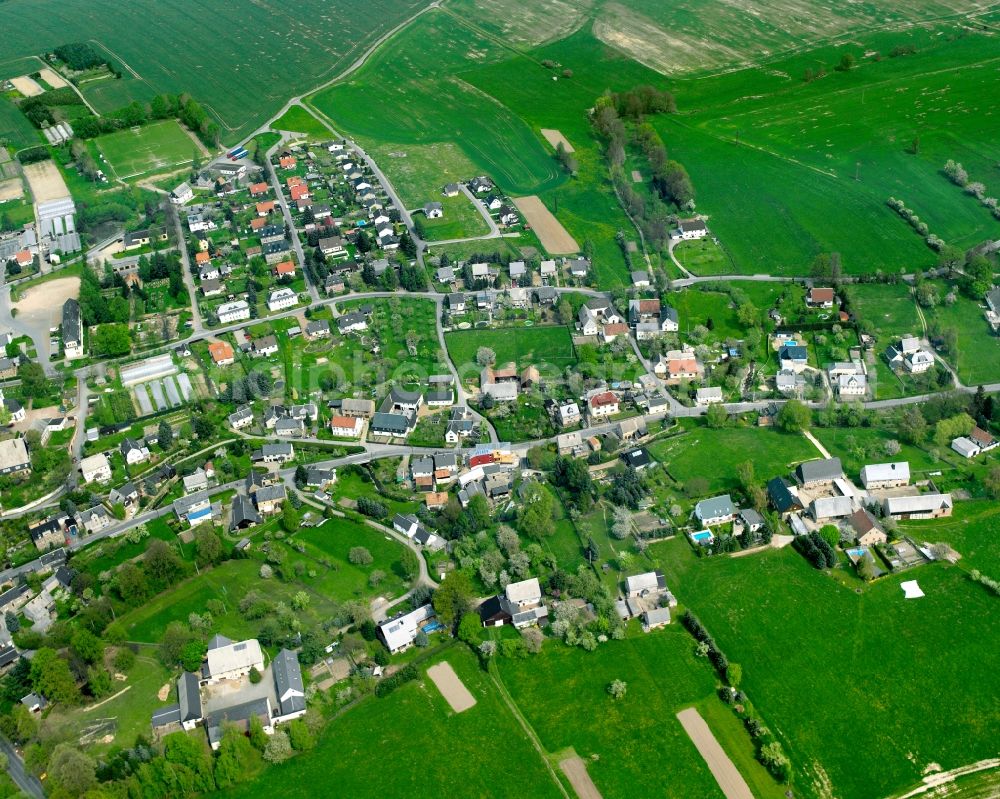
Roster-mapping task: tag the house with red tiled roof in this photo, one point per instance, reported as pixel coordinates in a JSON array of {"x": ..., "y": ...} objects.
[
  {"x": 287, "y": 162},
  {"x": 603, "y": 404},
  {"x": 820, "y": 298},
  {"x": 264, "y": 208},
  {"x": 258, "y": 189},
  {"x": 299, "y": 192},
  {"x": 285, "y": 268},
  {"x": 221, "y": 352}
]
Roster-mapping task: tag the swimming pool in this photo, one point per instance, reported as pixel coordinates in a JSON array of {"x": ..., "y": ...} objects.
[
  {"x": 704, "y": 537},
  {"x": 433, "y": 627}
]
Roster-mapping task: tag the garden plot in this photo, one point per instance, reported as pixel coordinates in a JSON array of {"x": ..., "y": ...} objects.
[{"x": 451, "y": 687}]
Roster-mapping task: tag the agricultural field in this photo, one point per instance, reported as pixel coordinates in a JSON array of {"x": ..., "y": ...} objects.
[
  {"x": 245, "y": 68},
  {"x": 298, "y": 120},
  {"x": 706, "y": 35},
  {"x": 155, "y": 147},
  {"x": 822, "y": 157},
  {"x": 563, "y": 694},
  {"x": 524, "y": 346},
  {"x": 15, "y": 129},
  {"x": 686, "y": 456},
  {"x": 433, "y": 749},
  {"x": 850, "y": 671},
  {"x": 889, "y": 308}
]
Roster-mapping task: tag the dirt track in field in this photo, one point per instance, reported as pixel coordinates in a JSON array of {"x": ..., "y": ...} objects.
[
  {"x": 730, "y": 780},
  {"x": 555, "y": 138},
  {"x": 576, "y": 771},
  {"x": 451, "y": 687},
  {"x": 553, "y": 236},
  {"x": 46, "y": 181}
]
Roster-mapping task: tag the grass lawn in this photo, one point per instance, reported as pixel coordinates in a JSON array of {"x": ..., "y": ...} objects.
[
  {"x": 889, "y": 307},
  {"x": 858, "y": 446},
  {"x": 978, "y": 349},
  {"x": 131, "y": 710},
  {"x": 153, "y": 147},
  {"x": 971, "y": 531},
  {"x": 461, "y": 219},
  {"x": 298, "y": 120},
  {"x": 702, "y": 452},
  {"x": 834, "y": 672},
  {"x": 704, "y": 257},
  {"x": 228, "y": 582},
  {"x": 563, "y": 693},
  {"x": 433, "y": 750},
  {"x": 551, "y": 346}
]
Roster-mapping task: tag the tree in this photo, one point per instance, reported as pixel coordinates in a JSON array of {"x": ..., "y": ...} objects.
[
  {"x": 72, "y": 770},
  {"x": 734, "y": 674},
  {"x": 794, "y": 417},
  {"x": 565, "y": 311},
  {"x": 866, "y": 568},
  {"x": 716, "y": 416},
  {"x": 622, "y": 525},
  {"x": 34, "y": 382},
  {"x": 485, "y": 356},
  {"x": 300, "y": 736},
  {"x": 12, "y": 621},
  {"x": 161, "y": 561},
  {"x": 192, "y": 655},
  {"x": 207, "y": 545},
  {"x": 51, "y": 677},
  {"x": 617, "y": 689},
  {"x": 453, "y": 597},
  {"x": 409, "y": 564},
  {"x": 237, "y": 758},
  {"x": 203, "y": 428},
  {"x": 360, "y": 556},
  {"x": 289, "y": 517},
  {"x": 477, "y": 514},
  {"x": 87, "y": 646},
  {"x": 111, "y": 340},
  {"x": 846, "y": 63},
  {"x": 534, "y": 516},
  {"x": 912, "y": 425},
  {"x": 165, "y": 435},
  {"x": 991, "y": 482},
  {"x": 98, "y": 681}
]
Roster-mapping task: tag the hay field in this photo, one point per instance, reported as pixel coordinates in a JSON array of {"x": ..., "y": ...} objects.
[{"x": 524, "y": 23}]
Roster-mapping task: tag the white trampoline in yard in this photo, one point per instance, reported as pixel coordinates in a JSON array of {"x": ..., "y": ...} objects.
[{"x": 911, "y": 590}]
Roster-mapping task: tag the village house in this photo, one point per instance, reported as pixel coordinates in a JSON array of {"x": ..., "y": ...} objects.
[
  {"x": 820, "y": 298},
  {"x": 569, "y": 414},
  {"x": 95, "y": 468},
  {"x": 72, "y": 330},
  {"x": 690, "y": 229},
  {"x": 264, "y": 347},
  {"x": 519, "y": 605},
  {"x": 194, "y": 508},
  {"x": 346, "y": 426},
  {"x": 920, "y": 506},
  {"x": 399, "y": 632},
  {"x": 603, "y": 404},
  {"x": 819, "y": 472},
  {"x": 236, "y": 311},
  {"x": 782, "y": 498},
  {"x": 867, "y": 532},
  {"x": 134, "y": 451},
  {"x": 708, "y": 395},
  {"x": 222, "y": 353},
  {"x": 282, "y": 298},
  {"x": 832, "y": 508},
  {"x": 885, "y": 475},
  {"x": 717, "y": 510}
]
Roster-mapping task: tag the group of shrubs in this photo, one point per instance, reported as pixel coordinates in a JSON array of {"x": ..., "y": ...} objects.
[
  {"x": 956, "y": 174},
  {"x": 934, "y": 242},
  {"x": 406, "y": 674},
  {"x": 816, "y": 549},
  {"x": 715, "y": 655}
]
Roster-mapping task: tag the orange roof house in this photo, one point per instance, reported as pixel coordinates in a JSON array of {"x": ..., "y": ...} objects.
[
  {"x": 294, "y": 180},
  {"x": 201, "y": 258},
  {"x": 287, "y": 162},
  {"x": 258, "y": 222},
  {"x": 221, "y": 352},
  {"x": 299, "y": 192},
  {"x": 258, "y": 189},
  {"x": 284, "y": 268},
  {"x": 264, "y": 208}
]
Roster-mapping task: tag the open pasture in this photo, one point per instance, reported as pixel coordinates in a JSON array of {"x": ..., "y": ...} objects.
[
  {"x": 155, "y": 147},
  {"x": 298, "y": 120},
  {"x": 434, "y": 751},
  {"x": 524, "y": 346},
  {"x": 562, "y": 692},
  {"x": 237, "y": 63},
  {"x": 836, "y": 673},
  {"x": 714, "y": 455},
  {"x": 820, "y": 159}
]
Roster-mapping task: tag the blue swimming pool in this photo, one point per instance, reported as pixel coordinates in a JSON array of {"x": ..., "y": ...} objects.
[
  {"x": 433, "y": 627},
  {"x": 704, "y": 537},
  {"x": 857, "y": 552}
]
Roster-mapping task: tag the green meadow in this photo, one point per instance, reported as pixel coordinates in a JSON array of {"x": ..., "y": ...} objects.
[
  {"x": 412, "y": 744},
  {"x": 864, "y": 688},
  {"x": 523, "y": 345},
  {"x": 820, "y": 159},
  {"x": 299, "y": 120}
]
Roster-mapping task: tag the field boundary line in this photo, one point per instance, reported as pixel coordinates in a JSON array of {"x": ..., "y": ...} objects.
[
  {"x": 105, "y": 701},
  {"x": 526, "y": 726},
  {"x": 933, "y": 781}
]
